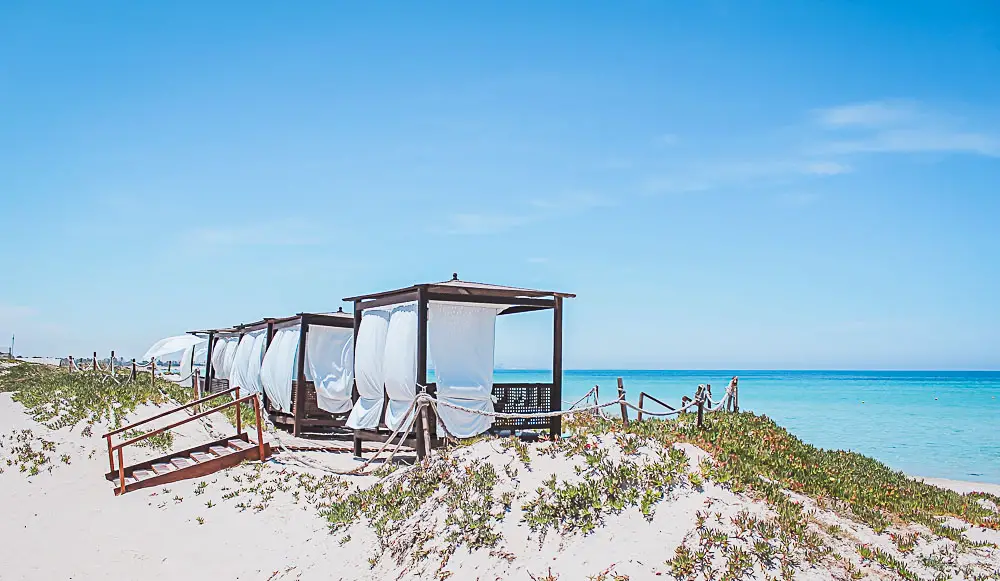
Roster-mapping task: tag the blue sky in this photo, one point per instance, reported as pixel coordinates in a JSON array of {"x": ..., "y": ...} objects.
[{"x": 723, "y": 184}]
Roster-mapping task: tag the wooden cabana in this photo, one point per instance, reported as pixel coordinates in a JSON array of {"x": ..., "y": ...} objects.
[
  {"x": 211, "y": 382},
  {"x": 506, "y": 397},
  {"x": 306, "y": 412}
]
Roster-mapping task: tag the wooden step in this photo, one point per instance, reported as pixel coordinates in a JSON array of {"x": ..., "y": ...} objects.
[
  {"x": 201, "y": 456},
  {"x": 240, "y": 445},
  {"x": 182, "y": 462},
  {"x": 220, "y": 450},
  {"x": 143, "y": 474},
  {"x": 163, "y": 468}
]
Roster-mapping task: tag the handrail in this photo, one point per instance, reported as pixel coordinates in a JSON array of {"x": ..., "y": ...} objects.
[
  {"x": 643, "y": 395},
  {"x": 185, "y": 420},
  {"x": 239, "y": 429},
  {"x": 168, "y": 412}
]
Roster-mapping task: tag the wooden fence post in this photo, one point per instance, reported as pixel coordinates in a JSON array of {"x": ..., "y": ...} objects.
[
  {"x": 133, "y": 376},
  {"x": 621, "y": 396},
  {"x": 701, "y": 410},
  {"x": 95, "y": 361},
  {"x": 152, "y": 372},
  {"x": 112, "y": 362}
]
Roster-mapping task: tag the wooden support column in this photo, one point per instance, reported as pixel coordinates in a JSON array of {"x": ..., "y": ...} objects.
[
  {"x": 300, "y": 377},
  {"x": 112, "y": 362},
  {"x": 209, "y": 371},
  {"x": 555, "y": 398},
  {"x": 269, "y": 334},
  {"x": 355, "y": 395},
  {"x": 425, "y": 414}
]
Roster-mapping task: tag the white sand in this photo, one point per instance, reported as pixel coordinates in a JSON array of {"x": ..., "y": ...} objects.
[{"x": 67, "y": 524}]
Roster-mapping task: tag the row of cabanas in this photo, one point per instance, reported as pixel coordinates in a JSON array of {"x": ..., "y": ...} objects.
[{"x": 361, "y": 372}]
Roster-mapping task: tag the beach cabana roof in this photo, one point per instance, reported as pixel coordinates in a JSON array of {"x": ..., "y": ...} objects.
[{"x": 456, "y": 290}]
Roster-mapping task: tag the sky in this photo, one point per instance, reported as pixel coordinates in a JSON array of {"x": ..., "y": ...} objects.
[{"x": 723, "y": 184}]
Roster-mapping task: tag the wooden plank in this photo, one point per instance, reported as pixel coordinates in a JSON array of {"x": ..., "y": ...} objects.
[
  {"x": 220, "y": 450},
  {"x": 555, "y": 396},
  {"x": 422, "y": 428},
  {"x": 299, "y": 407},
  {"x": 492, "y": 299},
  {"x": 201, "y": 456}
]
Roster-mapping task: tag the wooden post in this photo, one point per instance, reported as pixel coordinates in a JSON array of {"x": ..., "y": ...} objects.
[
  {"x": 736, "y": 394},
  {"x": 209, "y": 370},
  {"x": 425, "y": 428},
  {"x": 111, "y": 455},
  {"x": 621, "y": 395},
  {"x": 169, "y": 365},
  {"x": 298, "y": 409},
  {"x": 423, "y": 435},
  {"x": 134, "y": 373},
  {"x": 267, "y": 343},
  {"x": 95, "y": 361},
  {"x": 152, "y": 372},
  {"x": 701, "y": 410},
  {"x": 642, "y": 396},
  {"x": 121, "y": 470},
  {"x": 555, "y": 397},
  {"x": 112, "y": 362},
  {"x": 260, "y": 430},
  {"x": 197, "y": 385},
  {"x": 355, "y": 394},
  {"x": 239, "y": 420},
  {"x": 71, "y": 364}
]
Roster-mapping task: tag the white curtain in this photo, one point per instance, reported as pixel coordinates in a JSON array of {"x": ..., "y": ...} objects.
[
  {"x": 278, "y": 368},
  {"x": 171, "y": 345},
  {"x": 461, "y": 340},
  {"x": 232, "y": 344},
  {"x": 330, "y": 365},
  {"x": 400, "y": 364},
  {"x": 242, "y": 373},
  {"x": 256, "y": 358},
  {"x": 369, "y": 355},
  {"x": 218, "y": 357}
]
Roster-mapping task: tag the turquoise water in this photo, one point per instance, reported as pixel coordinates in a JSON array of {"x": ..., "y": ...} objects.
[{"x": 936, "y": 424}]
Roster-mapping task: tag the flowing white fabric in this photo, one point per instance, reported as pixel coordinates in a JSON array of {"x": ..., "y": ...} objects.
[
  {"x": 171, "y": 345},
  {"x": 242, "y": 374},
  {"x": 218, "y": 357},
  {"x": 186, "y": 358},
  {"x": 232, "y": 344},
  {"x": 461, "y": 340},
  {"x": 330, "y": 365},
  {"x": 400, "y": 363},
  {"x": 278, "y": 368},
  {"x": 369, "y": 355},
  {"x": 256, "y": 359}
]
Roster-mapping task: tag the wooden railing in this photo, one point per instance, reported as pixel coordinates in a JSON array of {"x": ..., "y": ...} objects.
[
  {"x": 643, "y": 396},
  {"x": 238, "y": 401}
]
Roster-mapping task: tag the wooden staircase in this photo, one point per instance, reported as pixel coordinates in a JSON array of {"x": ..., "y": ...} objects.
[{"x": 192, "y": 463}]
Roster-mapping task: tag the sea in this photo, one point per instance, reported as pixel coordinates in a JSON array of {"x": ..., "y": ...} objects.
[{"x": 938, "y": 424}]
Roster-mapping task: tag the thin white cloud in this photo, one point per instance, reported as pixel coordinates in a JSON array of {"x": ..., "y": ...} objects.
[
  {"x": 870, "y": 114},
  {"x": 708, "y": 176},
  {"x": 901, "y": 127}
]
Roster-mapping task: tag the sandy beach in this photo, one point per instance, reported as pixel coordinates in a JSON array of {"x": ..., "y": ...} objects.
[{"x": 262, "y": 522}]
